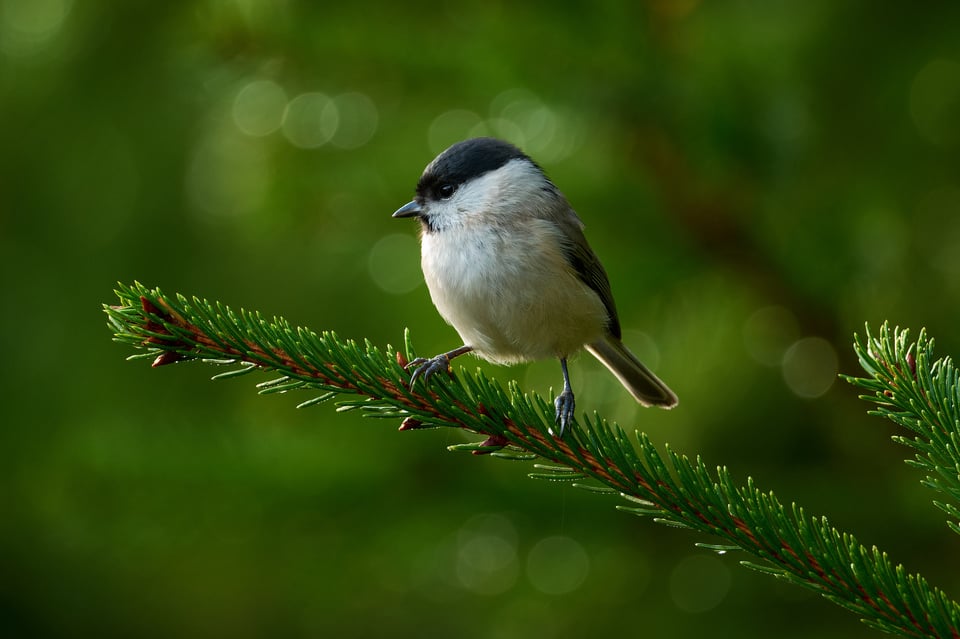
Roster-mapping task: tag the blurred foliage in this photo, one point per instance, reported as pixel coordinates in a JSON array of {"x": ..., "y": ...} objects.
[{"x": 759, "y": 178}]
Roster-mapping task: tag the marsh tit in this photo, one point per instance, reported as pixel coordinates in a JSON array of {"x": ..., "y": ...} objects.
[{"x": 507, "y": 265}]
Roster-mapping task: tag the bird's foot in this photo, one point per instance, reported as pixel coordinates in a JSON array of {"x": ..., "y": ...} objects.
[
  {"x": 565, "y": 406},
  {"x": 427, "y": 368}
]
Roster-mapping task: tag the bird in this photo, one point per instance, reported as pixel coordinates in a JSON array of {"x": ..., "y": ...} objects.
[{"x": 507, "y": 264}]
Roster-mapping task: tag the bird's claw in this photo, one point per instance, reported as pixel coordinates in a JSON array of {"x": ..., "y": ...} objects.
[
  {"x": 427, "y": 368},
  {"x": 565, "y": 406}
]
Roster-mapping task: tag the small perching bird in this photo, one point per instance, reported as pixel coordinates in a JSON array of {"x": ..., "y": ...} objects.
[{"x": 504, "y": 256}]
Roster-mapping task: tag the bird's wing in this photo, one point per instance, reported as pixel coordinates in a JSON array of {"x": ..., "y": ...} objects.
[{"x": 587, "y": 266}]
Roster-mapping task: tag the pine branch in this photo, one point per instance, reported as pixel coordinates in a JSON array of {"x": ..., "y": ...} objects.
[
  {"x": 921, "y": 396},
  {"x": 785, "y": 542}
]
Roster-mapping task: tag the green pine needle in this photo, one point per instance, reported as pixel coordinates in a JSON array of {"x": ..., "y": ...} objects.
[
  {"x": 920, "y": 394},
  {"x": 908, "y": 388}
]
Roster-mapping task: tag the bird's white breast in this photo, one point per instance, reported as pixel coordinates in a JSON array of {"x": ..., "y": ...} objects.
[{"x": 509, "y": 291}]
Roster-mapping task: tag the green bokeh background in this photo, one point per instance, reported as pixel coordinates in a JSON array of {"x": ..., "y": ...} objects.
[{"x": 760, "y": 179}]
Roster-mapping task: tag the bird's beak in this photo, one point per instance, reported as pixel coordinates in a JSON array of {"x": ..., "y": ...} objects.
[{"x": 409, "y": 209}]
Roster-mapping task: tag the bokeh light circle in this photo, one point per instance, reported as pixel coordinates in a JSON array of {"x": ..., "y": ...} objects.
[
  {"x": 310, "y": 120},
  {"x": 258, "y": 108},
  {"x": 699, "y": 583},
  {"x": 450, "y": 127},
  {"x": 27, "y": 26},
  {"x": 557, "y": 565},
  {"x": 358, "y": 120},
  {"x": 810, "y": 366},
  {"x": 487, "y": 555},
  {"x": 394, "y": 264}
]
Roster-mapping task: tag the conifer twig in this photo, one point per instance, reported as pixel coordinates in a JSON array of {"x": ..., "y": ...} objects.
[
  {"x": 921, "y": 394},
  {"x": 785, "y": 542}
]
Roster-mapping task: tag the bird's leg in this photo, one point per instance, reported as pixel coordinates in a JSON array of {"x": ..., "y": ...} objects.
[
  {"x": 426, "y": 368},
  {"x": 564, "y": 402}
]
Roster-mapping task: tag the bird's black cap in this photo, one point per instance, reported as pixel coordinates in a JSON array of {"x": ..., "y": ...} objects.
[{"x": 464, "y": 161}]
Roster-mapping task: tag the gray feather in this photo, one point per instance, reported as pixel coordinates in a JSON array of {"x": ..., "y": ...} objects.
[
  {"x": 587, "y": 266},
  {"x": 636, "y": 378}
]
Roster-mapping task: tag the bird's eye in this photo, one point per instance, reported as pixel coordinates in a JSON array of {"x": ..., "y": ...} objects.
[{"x": 446, "y": 191}]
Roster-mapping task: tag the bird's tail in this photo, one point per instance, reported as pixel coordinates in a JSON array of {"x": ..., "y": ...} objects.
[{"x": 636, "y": 378}]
